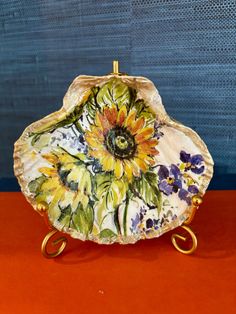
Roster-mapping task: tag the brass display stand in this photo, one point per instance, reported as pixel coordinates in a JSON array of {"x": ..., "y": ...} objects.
[
  {"x": 62, "y": 241},
  {"x": 197, "y": 201}
]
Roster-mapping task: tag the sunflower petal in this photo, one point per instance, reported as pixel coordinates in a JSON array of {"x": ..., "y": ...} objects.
[
  {"x": 122, "y": 115},
  {"x": 66, "y": 158},
  {"x": 98, "y": 121},
  {"x": 118, "y": 168},
  {"x": 148, "y": 147},
  {"x": 50, "y": 185},
  {"x": 108, "y": 163},
  {"x": 50, "y": 172},
  {"x": 151, "y": 142},
  {"x": 111, "y": 114},
  {"x": 135, "y": 168},
  {"x": 146, "y": 158},
  {"x": 92, "y": 140},
  {"x": 103, "y": 123},
  {"x": 130, "y": 119},
  {"x": 96, "y": 132},
  {"x": 145, "y": 148},
  {"x": 98, "y": 153},
  {"x": 51, "y": 158},
  {"x": 137, "y": 125},
  {"x": 150, "y": 161},
  {"x": 141, "y": 164},
  {"x": 128, "y": 169},
  {"x": 144, "y": 134},
  {"x": 67, "y": 166}
]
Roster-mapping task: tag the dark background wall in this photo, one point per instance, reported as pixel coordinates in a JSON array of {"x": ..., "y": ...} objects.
[{"x": 188, "y": 48}]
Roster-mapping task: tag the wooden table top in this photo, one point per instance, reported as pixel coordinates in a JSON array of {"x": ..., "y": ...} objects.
[{"x": 147, "y": 277}]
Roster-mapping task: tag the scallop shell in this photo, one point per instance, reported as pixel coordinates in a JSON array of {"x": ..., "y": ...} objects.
[{"x": 111, "y": 165}]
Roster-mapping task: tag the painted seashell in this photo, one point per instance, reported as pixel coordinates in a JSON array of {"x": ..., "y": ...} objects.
[{"x": 111, "y": 165}]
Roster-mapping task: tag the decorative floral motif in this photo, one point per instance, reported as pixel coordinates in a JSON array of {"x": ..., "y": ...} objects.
[
  {"x": 103, "y": 177},
  {"x": 72, "y": 138},
  {"x": 65, "y": 186},
  {"x": 169, "y": 180},
  {"x": 177, "y": 180},
  {"x": 149, "y": 224},
  {"x": 67, "y": 180},
  {"x": 193, "y": 163},
  {"x": 122, "y": 142}
]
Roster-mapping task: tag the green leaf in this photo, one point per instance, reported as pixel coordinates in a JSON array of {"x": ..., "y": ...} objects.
[
  {"x": 107, "y": 233},
  {"x": 69, "y": 119},
  {"x": 80, "y": 220},
  {"x": 35, "y": 139},
  {"x": 144, "y": 111},
  {"x": 81, "y": 175},
  {"x": 146, "y": 188},
  {"x": 83, "y": 219},
  {"x": 114, "y": 92},
  {"x": 65, "y": 214},
  {"x": 35, "y": 185},
  {"x": 110, "y": 193},
  {"x": 91, "y": 104},
  {"x": 40, "y": 141}
]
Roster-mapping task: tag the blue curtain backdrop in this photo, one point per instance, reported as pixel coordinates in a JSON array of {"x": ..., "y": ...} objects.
[{"x": 187, "y": 47}]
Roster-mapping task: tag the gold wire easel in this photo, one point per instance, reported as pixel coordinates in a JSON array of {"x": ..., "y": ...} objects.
[
  {"x": 196, "y": 201},
  {"x": 46, "y": 241},
  {"x": 42, "y": 208}
]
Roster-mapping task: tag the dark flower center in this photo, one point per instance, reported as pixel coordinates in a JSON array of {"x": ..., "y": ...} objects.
[{"x": 120, "y": 143}]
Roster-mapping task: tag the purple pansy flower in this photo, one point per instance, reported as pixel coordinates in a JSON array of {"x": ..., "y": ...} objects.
[
  {"x": 184, "y": 195},
  {"x": 135, "y": 222},
  {"x": 193, "y": 162},
  {"x": 193, "y": 189},
  {"x": 170, "y": 181}
]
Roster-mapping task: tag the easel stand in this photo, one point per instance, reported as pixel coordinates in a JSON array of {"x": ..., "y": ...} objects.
[{"x": 51, "y": 239}]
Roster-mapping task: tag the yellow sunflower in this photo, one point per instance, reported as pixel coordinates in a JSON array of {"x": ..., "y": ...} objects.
[
  {"x": 122, "y": 142},
  {"x": 67, "y": 182}
]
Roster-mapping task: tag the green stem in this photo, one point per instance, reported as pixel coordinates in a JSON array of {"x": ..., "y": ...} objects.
[
  {"x": 116, "y": 220},
  {"x": 78, "y": 126},
  {"x": 125, "y": 214}
]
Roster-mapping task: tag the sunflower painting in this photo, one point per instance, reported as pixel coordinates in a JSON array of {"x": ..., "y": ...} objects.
[
  {"x": 107, "y": 169},
  {"x": 122, "y": 142},
  {"x": 66, "y": 186}
]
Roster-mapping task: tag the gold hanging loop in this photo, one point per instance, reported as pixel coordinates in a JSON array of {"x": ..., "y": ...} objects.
[
  {"x": 184, "y": 238},
  {"x": 115, "y": 69},
  {"x": 55, "y": 242}
]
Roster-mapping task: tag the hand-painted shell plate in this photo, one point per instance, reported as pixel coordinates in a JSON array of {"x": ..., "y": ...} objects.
[{"x": 111, "y": 166}]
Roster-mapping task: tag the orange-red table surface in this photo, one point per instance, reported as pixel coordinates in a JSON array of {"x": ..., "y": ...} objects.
[{"x": 148, "y": 277}]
